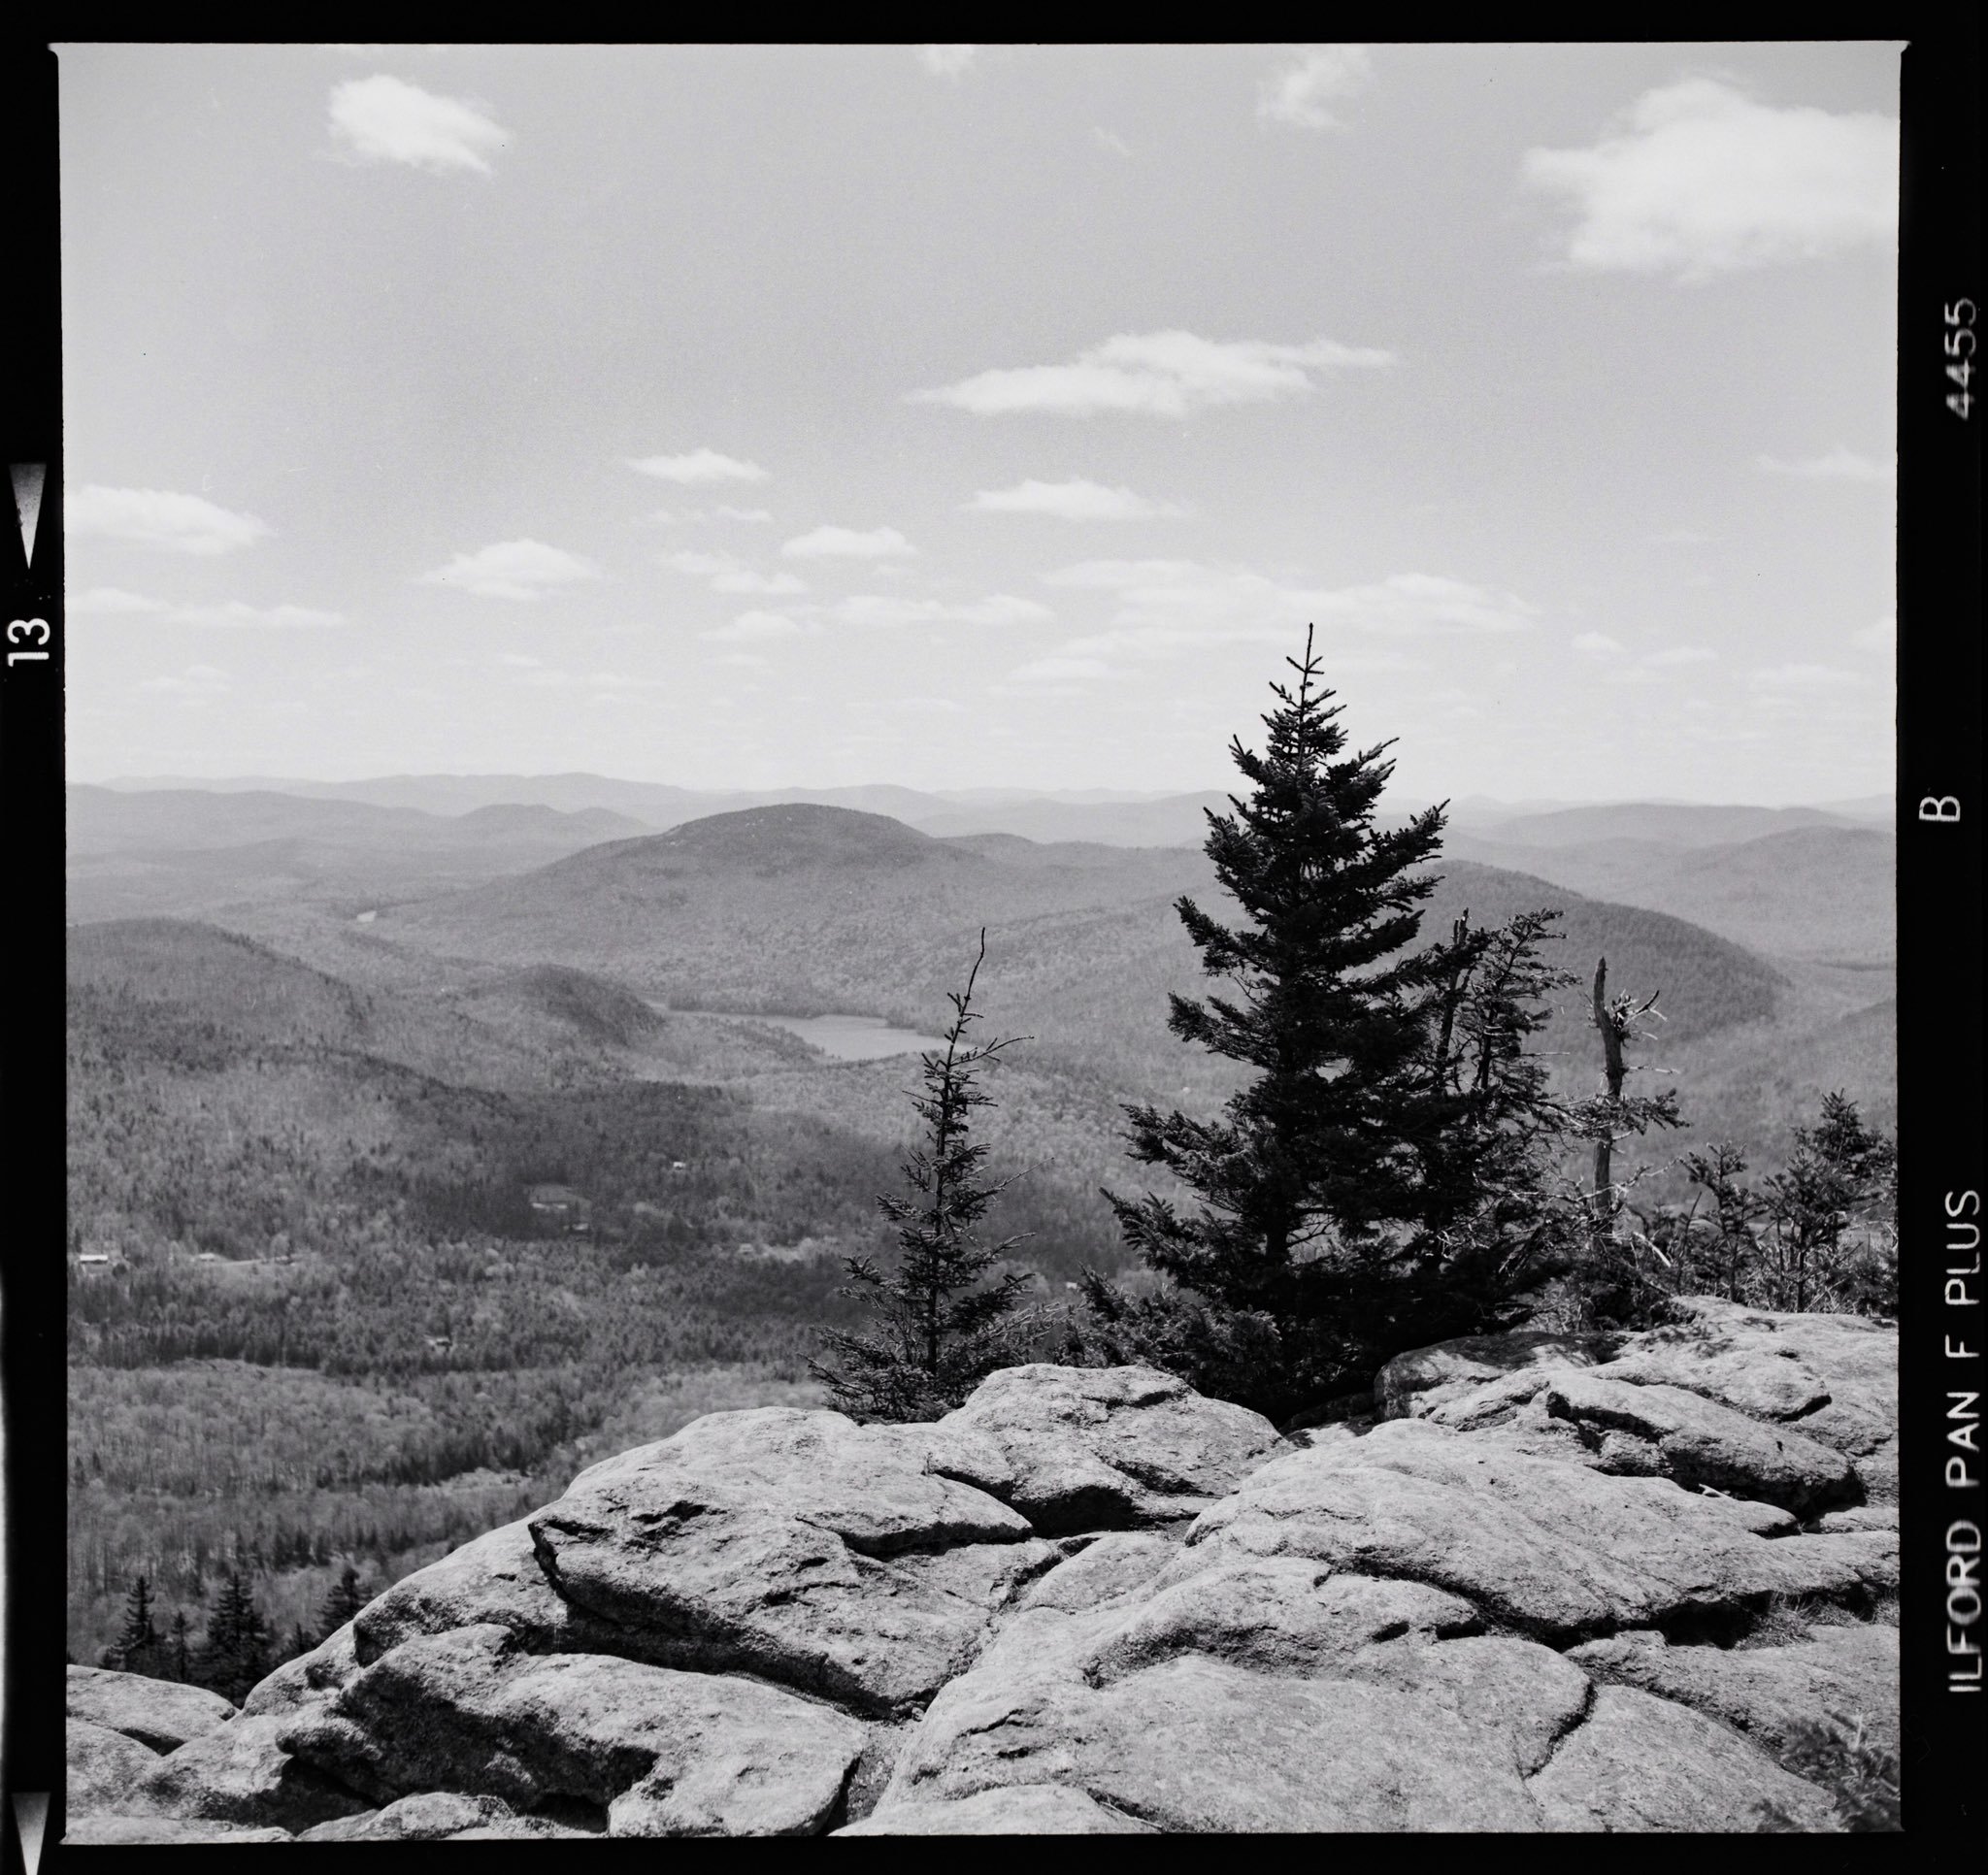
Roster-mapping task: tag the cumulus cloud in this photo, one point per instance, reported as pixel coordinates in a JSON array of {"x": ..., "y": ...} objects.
[
  {"x": 1881, "y": 636},
  {"x": 1677, "y": 654},
  {"x": 947, "y": 61},
  {"x": 1598, "y": 645},
  {"x": 1701, "y": 179},
  {"x": 154, "y": 517},
  {"x": 1805, "y": 677},
  {"x": 1171, "y": 606},
  {"x": 890, "y": 609},
  {"x": 728, "y": 573},
  {"x": 1318, "y": 76},
  {"x": 698, "y": 466},
  {"x": 849, "y": 544},
  {"x": 1156, "y": 374},
  {"x": 388, "y": 120},
  {"x": 1060, "y": 670},
  {"x": 1838, "y": 464},
  {"x": 742, "y": 514},
  {"x": 752, "y": 627},
  {"x": 109, "y": 601},
  {"x": 1075, "y": 500},
  {"x": 519, "y": 569},
  {"x": 197, "y": 683},
  {"x": 256, "y": 618}
]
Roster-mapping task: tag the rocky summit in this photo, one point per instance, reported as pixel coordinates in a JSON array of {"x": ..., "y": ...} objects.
[{"x": 1638, "y": 1582}]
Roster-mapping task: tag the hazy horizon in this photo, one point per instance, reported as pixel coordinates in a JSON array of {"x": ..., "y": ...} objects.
[{"x": 717, "y": 415}]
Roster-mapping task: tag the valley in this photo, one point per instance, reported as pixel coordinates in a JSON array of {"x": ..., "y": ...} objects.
[{"x": 332, "y": 1325}]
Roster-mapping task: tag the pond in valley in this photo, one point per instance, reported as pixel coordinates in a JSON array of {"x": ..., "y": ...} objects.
[{"x": 847, "y": 1038}]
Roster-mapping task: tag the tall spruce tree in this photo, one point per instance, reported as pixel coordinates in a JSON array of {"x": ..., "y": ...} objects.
[
  {"x": 139, "y": 1647},
  {"x": 1345, "y": 1189},
  {"x": 340, "y": 1603},
  {"x": 234, "y": 1655},
  {"x": 937, "y": 1333}
]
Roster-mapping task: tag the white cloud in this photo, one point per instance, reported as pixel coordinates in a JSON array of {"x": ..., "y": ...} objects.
[
  {"x": 1156, "y": 374},
  {"x": 1677, "y": 654},
  {"x": 1838, "y": 464},
  {"x": 1882, "y": 635},
  {"x": 947, "y": 61},
  {"x": 847, "y": 543},
  {"x": 1075, "y": 500},
  {"x": 1803, "y": 677},
  {"x": 698, "y": 466},
  {"x": 742, "y": 514},
  {"x": 514, "y": 570},
  {"x": 260, "y": 617},
  {"x": 1598, "y": 645},
  {"x": 108, "y": 602},
  {"x": 751, "y": 627},
  {"x": 728, "y": 573},
  {"x": 156, "y": 518},
  {"x": 388, "y": 120},
  {"x": 1318, "y": 76},
  {"x": 197, "y": 683},
  {"x": 1701, "y": 179},
  {"x": 1106, "y": 140},
  {"x": 702, "y": 565},
  {"x": 1168, "y": 605},
  {"x": 520, "y": 661},
  {"x": 1060, "y": 670},
  {"x": 890, "y": 610}
]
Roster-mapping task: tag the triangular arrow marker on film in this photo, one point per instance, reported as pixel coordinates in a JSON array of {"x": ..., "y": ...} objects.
[
  {"x": 31, "y": 1808},
  {"x": 28, "y": 478}
]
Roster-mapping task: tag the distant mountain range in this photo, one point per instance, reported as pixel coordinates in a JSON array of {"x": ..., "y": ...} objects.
[{"x": 1117, "y": 818}]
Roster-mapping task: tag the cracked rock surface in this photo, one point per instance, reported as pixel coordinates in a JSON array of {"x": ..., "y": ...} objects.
[{"x": 1564, "y": 1583}]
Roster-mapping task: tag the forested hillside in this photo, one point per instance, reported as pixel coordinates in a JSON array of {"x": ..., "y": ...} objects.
[{"x": 408, "y": 1216}]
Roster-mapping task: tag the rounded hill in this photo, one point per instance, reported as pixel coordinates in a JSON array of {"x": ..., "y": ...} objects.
[{"x": 766, "y": 842}]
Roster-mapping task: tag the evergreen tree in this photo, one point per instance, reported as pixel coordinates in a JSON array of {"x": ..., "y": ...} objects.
[
  {"x": 180, "y": 1648},
  {"x": 937, "y": 1335},
  {"x": 235, "y": 1653},
  {"x": 1349, "y": 1195},
  {"x": 340, "y": 1603},
  {"x": 1840, "y": 1171},
  {"x": 1726, "y": 1266},
  {"x": 137, "y": 1632}
]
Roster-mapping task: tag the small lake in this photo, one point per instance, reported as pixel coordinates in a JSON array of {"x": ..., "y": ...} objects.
[{"x": 847, "y": 1038}]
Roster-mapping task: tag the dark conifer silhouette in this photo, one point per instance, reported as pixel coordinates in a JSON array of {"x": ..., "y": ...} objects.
[
  {"x": 937, "y": 1333},
  {"x": 1351, "y": 1195}
]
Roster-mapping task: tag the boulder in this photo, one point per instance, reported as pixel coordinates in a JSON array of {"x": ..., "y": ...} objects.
[
  {"x": 159, "y": 1713},
  {"x": 1639, "y": 1763},
  {"x": 431, "y": 1816},
  {"x": 1015, "y": 1810},
  {"x": 1425, "y": 1378},
  {"x": 309, "y": 1678},
  {"x": 106, "y": 1769},
  {"x": 1108, "y": 1448},
  {"x": 241, "y": 1773},
  {"x": 495, "y": 1579},
  {"x": 659, "y": 1752},
  {"x": 1116, "y": 1564},
  {"x": 794, "y": 1546},
  {"x": 1552, "y": 1549},
  {"x": 1837, "y": 1375},
  {"x": 1405, "y": 1735},
  {"x": 106, "y": 1829},
  {"x": 1770, "y": 1695},
  {"x": 1699, "y": 1441}
]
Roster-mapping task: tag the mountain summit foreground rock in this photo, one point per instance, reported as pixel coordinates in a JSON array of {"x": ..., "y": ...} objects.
[{"x": 1604, "y": 1583}]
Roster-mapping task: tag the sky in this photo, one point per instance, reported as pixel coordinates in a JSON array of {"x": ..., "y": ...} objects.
[{"x": 984, "y": 416}]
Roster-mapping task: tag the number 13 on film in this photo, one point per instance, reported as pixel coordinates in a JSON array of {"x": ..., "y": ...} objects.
[{"x": 26, "y": 631}]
